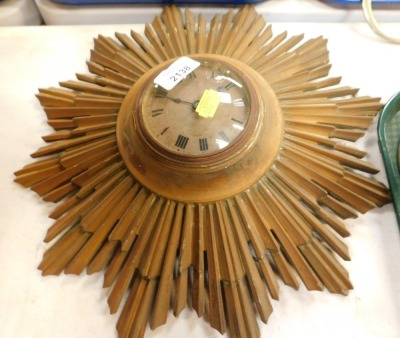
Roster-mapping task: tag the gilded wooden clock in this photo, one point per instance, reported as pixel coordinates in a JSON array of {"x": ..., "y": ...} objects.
[{"x": 205, "y": 165}]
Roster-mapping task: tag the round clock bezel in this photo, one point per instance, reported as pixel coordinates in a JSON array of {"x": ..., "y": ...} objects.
[{"x": 209, "y": 161}]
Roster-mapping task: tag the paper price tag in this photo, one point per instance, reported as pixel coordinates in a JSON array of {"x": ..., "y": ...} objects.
[
  {"x": 208, "y": 104},
  {"x": 176, "y": 72}
]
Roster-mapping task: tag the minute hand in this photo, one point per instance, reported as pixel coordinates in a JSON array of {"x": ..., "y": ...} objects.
[{"x": 178, "y": 100}]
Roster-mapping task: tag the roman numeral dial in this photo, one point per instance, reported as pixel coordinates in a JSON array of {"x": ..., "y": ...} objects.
[{"x": 178, "y": 121}]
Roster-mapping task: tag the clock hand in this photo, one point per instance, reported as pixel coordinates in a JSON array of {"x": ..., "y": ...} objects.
[{"x": 178, "y": 100}]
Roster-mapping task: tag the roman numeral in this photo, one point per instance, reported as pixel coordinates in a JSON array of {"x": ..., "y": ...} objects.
[
  {"x": 238, "y": 102},
  {"x": 228, "y": 86},
  {"x": 237, "y": 121},
  {"x": 164, "y": 130},
  {"x": 160, "y": 92},
  {"x": 203, "y": 144},
  {"x": 156, "y": 112},
  {"x": 224, "y": 136},
  {"x": 181, "y": 141},
  {"x": 192, "y": 75}
]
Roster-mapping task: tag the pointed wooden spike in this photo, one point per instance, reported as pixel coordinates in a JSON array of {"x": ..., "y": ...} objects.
[
  {"x": 258, "y": 291},
  {"x": 136, "y": 253},
  {"x": 114, "y": 267},
  {"x": 216, "y": 307},
  {"x": 212, "y": 34},
  {"x": 147, "y": 48},
  {"x": 226, "y": 23},
  {"x": 155, "y": 42},
  {"x": 74, "y": 214},
  {"x": 263, "y": 220},
  {"x": 136, "y": 50},
  {"x": 99, "y": 238},
  {"x": 30, "y": 177},
  {"x": 55, "y": 261},
  {"x": 102, "y": 258},
  {"x": 335, "y": 243},
  {"x": 60, "y": 146},
  {"x": 190, "y": 31},
  {"x": 184, "y": 260},
  {"x": 255, "y": 239},
  {"x": 164, "y": 293},
  {"x": 201, "y": 34},
  {"x": 48, "y": 100}
]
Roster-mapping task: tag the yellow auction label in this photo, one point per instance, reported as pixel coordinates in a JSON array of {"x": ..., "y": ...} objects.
[{"x": 208, "y": 104}]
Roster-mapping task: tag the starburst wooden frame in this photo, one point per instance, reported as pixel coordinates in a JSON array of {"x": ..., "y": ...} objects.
[{"x": 226, "y": 255}]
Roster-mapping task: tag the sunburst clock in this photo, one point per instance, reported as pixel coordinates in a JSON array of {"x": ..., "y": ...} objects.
[{"x": 200, "y": 165}]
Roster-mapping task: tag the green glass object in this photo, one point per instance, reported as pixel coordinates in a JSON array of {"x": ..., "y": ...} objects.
[{"x": 389, "y": 143}]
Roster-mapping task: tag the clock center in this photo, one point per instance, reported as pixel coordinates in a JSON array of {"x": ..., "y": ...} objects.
[{"x": 195, "y": 104}]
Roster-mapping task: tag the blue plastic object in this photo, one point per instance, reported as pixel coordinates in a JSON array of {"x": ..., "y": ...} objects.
[
  {"x": 358, "y": 2},
  {"x": 157, "y": 2}
]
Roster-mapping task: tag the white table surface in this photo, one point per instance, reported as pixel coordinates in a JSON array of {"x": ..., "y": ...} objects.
[{"x": 75, "y": 306}]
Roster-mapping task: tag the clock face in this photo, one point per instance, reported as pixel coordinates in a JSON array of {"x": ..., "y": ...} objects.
[{"x": 203, "y": 114}]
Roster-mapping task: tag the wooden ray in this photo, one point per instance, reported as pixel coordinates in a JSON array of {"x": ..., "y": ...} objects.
[
  {"x": 313, "y": 195},
  {"x": 257, "y": 26},
  {"x": 91, "y": 179},
  {"x": 104, "y": 61},
  {"x": 190, "y": 31},
  {"x": 254, "y": 236},
  {"x": 57, "y": 92},
  {"x": 173, "y": 20},
  {"x": 278, "y": 53},
  {"x": 116, "y": 205},
  {"x": 164, "y": 38},
  {"x": 239, "y": 30},
  {"x": 254, "y": 207},
  {"x": 213, "y": 34},
  {"x": 337, "y": 156},
  {"x": 146, "y": 60},
  {"x": 257, "y": 57},
  {"x": 316, "y": 225},
  {"x": 198, "y": 260},
  {"x": 76, "y": 212},
  {"x": 337, "y": 280},
  {"x": 225, "y": 258},
  {"x": 103, "y": 82},
  {"x": 164, "y": 293},
  {"x": 108, "y": 73},
  {"x": 184, "y": 261},
  {"x": 240, "y": 314},
  {"x": 135, "y": 255},
  {"x": 258, "y": 42},
  {"x": 54, "y": 100},
  {"x": 225, "y": 26},
  {"x": 109, "y": 49},
  {"x": 256, "y": 285},
  {"x": 217, "y": 313},
  {"x": 155, "y": 42},
  {"x": 60, "y": 254},
  {"x": 327, "y": 131},
  {"x": 201, "y": 34}
]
